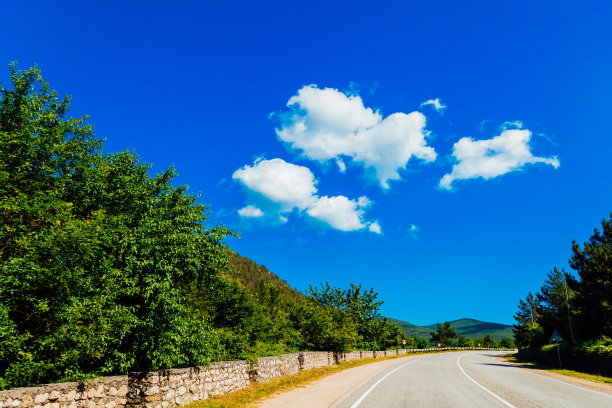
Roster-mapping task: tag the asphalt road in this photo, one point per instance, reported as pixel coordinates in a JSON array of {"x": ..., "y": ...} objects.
[{"x": 467, "y": 379}]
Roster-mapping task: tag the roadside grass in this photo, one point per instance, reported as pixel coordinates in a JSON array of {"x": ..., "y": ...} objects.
[
  {"x": 577, "y": 374},
  {"x": 257, "y": 392}
]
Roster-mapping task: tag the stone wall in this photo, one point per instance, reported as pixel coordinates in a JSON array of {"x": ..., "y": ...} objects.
[
  {"x": 315, "y": 359},
  {"x": 105, "y": 392},
  {"x": 268, "y": 368},
  {"x": 366, "y": 354},
  {"x": 353, "y": 355},
  {"x": 176, "y": 387}
]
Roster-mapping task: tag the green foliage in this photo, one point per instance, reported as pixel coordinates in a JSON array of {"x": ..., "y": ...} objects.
[
  {"x": 489, "y": 341},
  {"x": 593, "y": 263},
  {"x": 585, "y": 300},
  {"x": 97, "y": 258},
  {"x": 373, "y": 332},
  {"x": 443, "y": 335}
]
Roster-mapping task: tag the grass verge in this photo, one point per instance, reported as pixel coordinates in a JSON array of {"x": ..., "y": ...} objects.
[
  {"x": 577, "y": 374},
  {"x": 257, "y": 392}
]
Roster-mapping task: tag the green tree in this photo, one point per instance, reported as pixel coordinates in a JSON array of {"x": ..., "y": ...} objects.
[
  {"x": 527, "y": 331},
  {"x": 489, "y": 341},
  {"x": 374, "y": 332},
  {"x": 463, "y": 341},
  {"x": 97, "y": 258},
  {"x": 593, "y": 263},
  {"x": 444, "y": 334},
  {"x": 553, "y": 303}
]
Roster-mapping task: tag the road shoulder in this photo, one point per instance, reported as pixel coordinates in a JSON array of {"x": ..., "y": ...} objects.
[{"x": 595, "y": 386}]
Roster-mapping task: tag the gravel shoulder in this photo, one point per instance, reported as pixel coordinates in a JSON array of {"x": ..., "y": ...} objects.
[{"x": 325, "y": 392}]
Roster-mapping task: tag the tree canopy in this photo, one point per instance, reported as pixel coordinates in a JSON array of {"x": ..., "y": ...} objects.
[{"x": 96, "y": 256}]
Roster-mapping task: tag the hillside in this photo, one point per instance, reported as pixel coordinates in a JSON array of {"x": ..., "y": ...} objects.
[
  {"x": 470, "y": 328},
  {"x": 251, "y": 274}
]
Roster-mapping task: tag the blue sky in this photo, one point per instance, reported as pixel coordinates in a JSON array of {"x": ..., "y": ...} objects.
[{"x": 312, "y": 120}]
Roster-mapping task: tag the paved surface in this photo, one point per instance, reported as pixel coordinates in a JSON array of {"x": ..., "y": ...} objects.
[
  {"x": 466, "y": 379},
  {"x": 325, "y": 392}
]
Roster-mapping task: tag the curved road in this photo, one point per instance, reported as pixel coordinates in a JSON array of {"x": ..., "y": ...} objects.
[{"x": 467, "y": 379}]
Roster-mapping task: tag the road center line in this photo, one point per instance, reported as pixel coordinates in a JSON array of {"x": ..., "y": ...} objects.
[
  {"x": 500, "y": 399},
  {"x": 356, "y": 404}
]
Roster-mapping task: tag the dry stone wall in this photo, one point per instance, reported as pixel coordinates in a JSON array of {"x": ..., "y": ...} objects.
[
  {"x": 315, "y": 359},
  {"x": 105, "y": 392},
  {"x": 176, "y": 387},
  {"x": 268, "y": 368}
]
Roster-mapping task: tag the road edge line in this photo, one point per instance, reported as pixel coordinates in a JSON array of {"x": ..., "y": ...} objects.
[
  {"x": 503, "y": 401},
  {"x": 360, "y": 400}
]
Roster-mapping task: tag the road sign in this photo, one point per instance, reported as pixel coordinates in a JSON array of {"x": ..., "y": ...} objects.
[
  {"x": 556, "y": 336},
  {"x": 439, "y": 344},
  {"x": 404, "y": 342}
]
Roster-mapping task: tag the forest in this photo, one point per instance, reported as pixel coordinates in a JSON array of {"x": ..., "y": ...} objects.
[{"x": 106, "y": 269}]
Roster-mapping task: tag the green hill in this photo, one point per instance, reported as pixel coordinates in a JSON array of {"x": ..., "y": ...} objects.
[{"x": 470, "y": 328}]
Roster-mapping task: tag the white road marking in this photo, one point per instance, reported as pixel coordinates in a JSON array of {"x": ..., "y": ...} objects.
[
  {"x": 356, "y": 404},
  {"x": 500, "y": 399},
  {"x": 562, "y": 382}
]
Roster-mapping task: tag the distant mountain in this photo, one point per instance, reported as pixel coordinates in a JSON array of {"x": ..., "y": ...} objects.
[{"x": 470, "y": 328}]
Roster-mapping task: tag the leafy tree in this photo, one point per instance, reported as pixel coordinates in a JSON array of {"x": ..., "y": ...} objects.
[
  {"x": 489, "y": 341},
  {"x": 507, "y": 343},
  {"x": 362, "y": 307},
  {"x": 97, "y": 258},
  {"x": 463, "y": 341},
  {"x": 444, "y": 334},
  {"x": 593, "y": 263}
]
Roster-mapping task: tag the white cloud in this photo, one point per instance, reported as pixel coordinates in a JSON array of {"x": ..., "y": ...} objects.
[
  {"x": 250, "y": 211},
  {"x": 375, "y": 227},
  {"x": 288, "y": 187},
  {"x": 340, "y": 212},
  {"x": 509, "y": 151},
  {"x": 286, "y": 184},
  {"x": 326, "y": 124},
  {"x": 436, "y": 103}
]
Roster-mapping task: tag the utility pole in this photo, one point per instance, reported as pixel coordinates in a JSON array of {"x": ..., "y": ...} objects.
[{"x": 568, "y": 306}]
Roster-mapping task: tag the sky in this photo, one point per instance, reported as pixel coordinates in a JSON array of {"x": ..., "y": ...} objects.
[{"x": 445, "y": 153}]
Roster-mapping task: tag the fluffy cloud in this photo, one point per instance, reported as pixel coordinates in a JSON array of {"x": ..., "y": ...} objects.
[
  {"x": 436, "y": 103},
  {"x": 326, "y": 124},
  {"x": 251, "y": 211},
  {"x": 340, "y": 212},
  {"x": 494, "y": 157},
  {"x": 286, "y": 184},
  {"x": 288, "y": 187}
]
